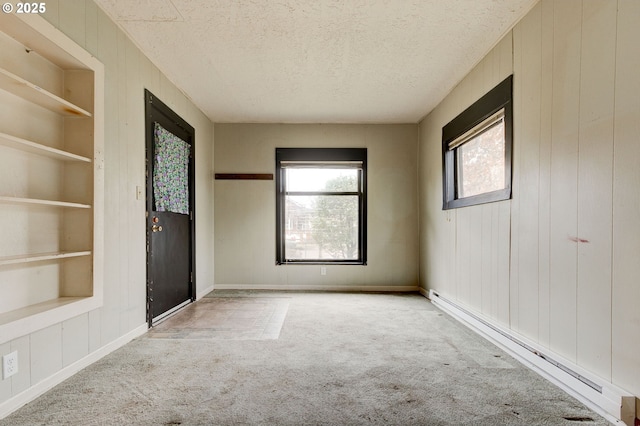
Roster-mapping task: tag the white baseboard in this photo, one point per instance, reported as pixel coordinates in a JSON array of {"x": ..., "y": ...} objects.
[
  {"x": 612, "y": 403},
  {"x": 337, "y": 288},
  {"x": 202, "y": 293},
  {"x": 39, "y": 388}
]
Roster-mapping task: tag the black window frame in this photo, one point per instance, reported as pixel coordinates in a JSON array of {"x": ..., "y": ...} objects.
[
  {"x": 320, "y": 155},
  {"x": 496, "y": 99}
]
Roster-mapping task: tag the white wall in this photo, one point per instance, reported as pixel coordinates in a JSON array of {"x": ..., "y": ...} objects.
[
  {"x": 46, "y": 352},
  {"x": 245, "y": 210},
  {"x": 558, "y": 264}
]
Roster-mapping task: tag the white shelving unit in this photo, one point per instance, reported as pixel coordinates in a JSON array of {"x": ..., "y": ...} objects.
[
  {"x": 51, "y": 177},
  {"x": 29, "y": 91},
  {"x": 36, "y": 148}
]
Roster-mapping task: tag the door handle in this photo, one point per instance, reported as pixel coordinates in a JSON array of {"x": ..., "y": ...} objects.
[{"x": 156, "y": 228}]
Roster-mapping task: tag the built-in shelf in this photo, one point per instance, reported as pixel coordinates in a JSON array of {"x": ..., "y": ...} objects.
[
  {"x": 36, "y": 148},
  {"x": 52, "y": 152},
  {"x": 29, "y": 91},
  {"x": 16, "y": 200},
  {"x": 11, "y": 260},
  {"x": 32, "y": 311}
]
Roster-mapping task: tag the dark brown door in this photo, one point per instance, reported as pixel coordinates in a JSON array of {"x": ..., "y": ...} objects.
[{"x": 170, "y": 207}]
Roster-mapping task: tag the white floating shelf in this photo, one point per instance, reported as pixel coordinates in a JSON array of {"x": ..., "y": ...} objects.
[
  {"x": 29, "y": 91},
  {"x": 11, "y": 260},
  {"x": 15, "y": 200},
  {"x": 36, "y": 148}
]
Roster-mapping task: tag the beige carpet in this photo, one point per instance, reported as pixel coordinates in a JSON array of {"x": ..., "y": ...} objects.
[{"x": 339, "y": 359}]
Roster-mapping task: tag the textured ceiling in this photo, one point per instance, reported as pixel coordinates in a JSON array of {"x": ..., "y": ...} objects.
[{"x": 316, "y": 61}]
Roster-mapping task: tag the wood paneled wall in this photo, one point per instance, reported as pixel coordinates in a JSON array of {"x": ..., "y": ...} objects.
[
  {"x": 127, "y": 72},
  {"x": 558, "y": 264}
]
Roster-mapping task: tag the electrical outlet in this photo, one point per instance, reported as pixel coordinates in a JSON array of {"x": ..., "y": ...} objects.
[
  {"x": 323, "y": 270},
  {"x": 9, "y": 364}
]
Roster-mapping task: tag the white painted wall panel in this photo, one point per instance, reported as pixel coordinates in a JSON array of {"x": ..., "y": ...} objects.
[
  {"x": 75, "y": 339},
  {"x": 595, "y": 180},
  {"x": 45, "y": 352},
  {"x": 22, "y": 381},
  {"x": 544, "y": 174},
  {"x": 625, "y": 290},
  {"x": 565, "y": 248},
  {"x": 564, "y": 176},
  {"x": 527, "y": 43},
  {"x": 5, "y": 385}
]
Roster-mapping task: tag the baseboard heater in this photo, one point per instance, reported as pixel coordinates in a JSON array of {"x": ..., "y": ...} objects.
[{"x": 614, "y": 404}]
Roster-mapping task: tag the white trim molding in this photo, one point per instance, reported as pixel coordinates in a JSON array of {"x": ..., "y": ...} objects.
[
  {"x": 202, "y": 293},
  {"x": 23, "y": 398},
  {"x": 313, "y": 287},
  {"x": 609, "y": 401}
]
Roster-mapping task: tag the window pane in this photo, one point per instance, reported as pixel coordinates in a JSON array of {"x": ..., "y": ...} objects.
[
  {"x": 481, "y": 163},
  {"x": 322, "y": 179},
  {"x": 321, "y": 227}
]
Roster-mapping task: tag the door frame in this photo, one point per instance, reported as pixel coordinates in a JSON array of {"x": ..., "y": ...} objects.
[{"x": 158, "y": 111}]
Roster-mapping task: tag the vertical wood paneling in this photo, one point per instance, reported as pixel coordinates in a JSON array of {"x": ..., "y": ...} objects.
[
  {"x": 75, "y": 339},
  {"x": 95, "y": 337},
  {"x": 564, "y": 176},
  {"x": 5, "y": 385},
  {"x": 136, "y": 176},
  {"x": 595, "y": 175},
  {"x": 495, "y": 264},
  {"x": 506, "y": 56},
  {"x": 544, "y": 189},
  {"x": 528, "y": 85},
  {"x": 120, "y": 185},
  {"x": 21, "y": 381},
  {"x": 514, "y": 263},
  {"x": 51, "y": 14},
  {"x": 463, "y": 252},
  {"x": 475, "y": 256},
  {"x": 46, "y": 352},
  {"x": 486, "y": 246},
  {"x": 503, "y": 231},
  {"x": 108, "y": 55},
  {"x": 91, "y": 28},
  {"x": 72, "y": 20},
  {"x": 576, "y": 179},
  {"x": 626, "y": 202}
]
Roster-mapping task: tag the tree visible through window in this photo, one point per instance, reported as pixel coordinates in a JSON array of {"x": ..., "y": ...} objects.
[
  {"x": 321, "y": 205},
  {"x": 476, "y": 149}
]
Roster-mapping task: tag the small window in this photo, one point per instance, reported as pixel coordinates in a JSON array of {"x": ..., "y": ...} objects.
[
  {"x": 321, "y": 205},
  {"x": 476, "y": 149}
]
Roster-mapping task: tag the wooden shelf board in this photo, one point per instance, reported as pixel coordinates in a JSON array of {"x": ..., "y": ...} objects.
[
  {"x": 36, "y": 148},
  {"x": 11, "y": 260},
  {"x": 244, "y": 176},
  {"x": 29, "y": 91},
  {"x": 15, "y": 200},
  {"x": 27, "y": 311},
  {"x": 42, "y": 41}
]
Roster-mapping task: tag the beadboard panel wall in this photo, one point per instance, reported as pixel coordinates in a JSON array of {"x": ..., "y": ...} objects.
[
  {"x": 127, "y": 72},
  {"x": 557, "y": 264},
  {"x": 245, "y": 209}
]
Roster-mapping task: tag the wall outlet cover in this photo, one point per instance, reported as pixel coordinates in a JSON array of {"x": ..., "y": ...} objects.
[{"x": 9, "y": 364}]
